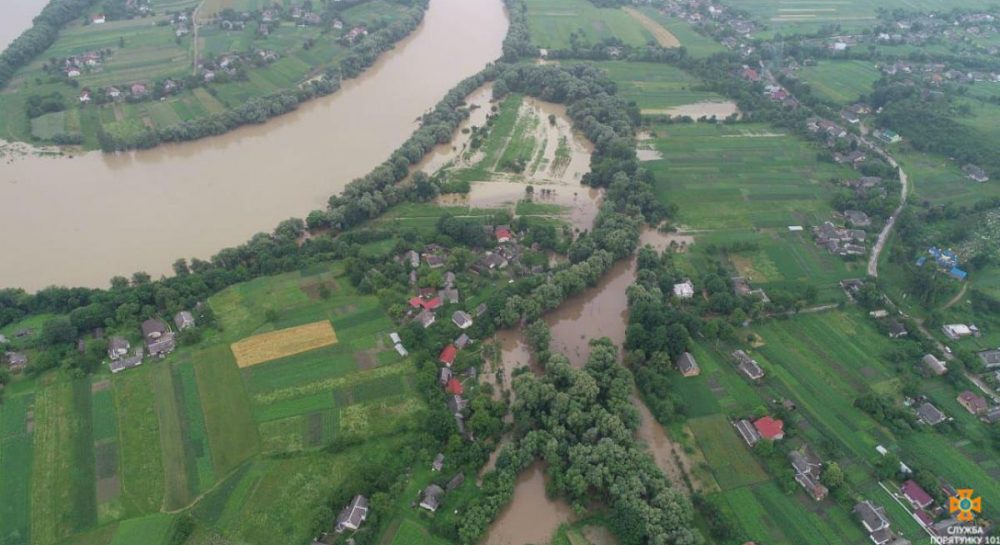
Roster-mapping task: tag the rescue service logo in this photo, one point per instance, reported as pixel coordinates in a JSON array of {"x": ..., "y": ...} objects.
[{"x": 963, "y": 505}]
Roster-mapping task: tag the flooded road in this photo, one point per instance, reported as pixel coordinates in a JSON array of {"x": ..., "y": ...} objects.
[
  {"x": 531, "y": 517},
  {"x": 81, "y": 221},
  {"x": 15, "y": 18},
  {"x": 708, "y": 109}
]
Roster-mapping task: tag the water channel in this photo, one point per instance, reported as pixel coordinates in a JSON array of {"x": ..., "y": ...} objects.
[{"x": 82, "y": 220}]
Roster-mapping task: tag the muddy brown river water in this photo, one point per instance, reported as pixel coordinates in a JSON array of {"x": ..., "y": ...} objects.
[
  {"x": 15, "y": 18},
  {"x": 82, "y": 220}
]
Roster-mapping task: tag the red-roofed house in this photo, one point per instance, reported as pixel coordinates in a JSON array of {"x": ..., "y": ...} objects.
[
  {"x": 432, "y": 304},
  {"x": 416, "y": 302},
  {"x": 924, "y": 517},
  {"x": 770, "y": 428},
  {"x": 454, "y": 387},
  {"x": 447, "y": 356},
  {"x": 974, "y": 404},
  {"x": 503, "y": 234},
  {"x": 917, "y": 496}
]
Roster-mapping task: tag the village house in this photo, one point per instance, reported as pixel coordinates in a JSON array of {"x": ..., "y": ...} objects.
[
  {"x": 16, "y": 360},
  {"x": 929, "y": 414},
  {"x": 857, "y": 218},
  {"x": 481, "y": 310},
  {"x": 353, "y": 515},
  {"x": 935, "y": 365},
  {"x": 438, "y": 463},
  {"x": 973, "y": 403},
  {"x": 853, "y": 158},
  {"x": 184, "y": 320},
  {"x": 687, "y": 365},
  {"x": 684, "y": 290},
  {"x": 447, "y": 355},
  {"x": 85, "y": 97},
  {"x": 503, "y": 234},
  {"x": 159, "y": 339},
  {"x": 449, "y": 295},
  {"x": 896, "y": 329},
  {"x": 73, "y": 72},
  {"x": 127, "y": 362},
  {"x": 355, "y": 34},
  {"x": 772, "y": 429},
  {"x": 454, "y": 387},
  {"x": 975, "y": 173},
  {"x": 434, "y": 261},
  {"x": 747, "y": 365},
  {"x": 117, "y": 347},
  {"x": 431, "y": 497},
  {"x": 114, "y": 93},
  {"x": 138, "y": 89},
  {"x": 875, "y": 522},
  {"x": 808, "y": 469},
  {"x": 461, "y": 319},
  {"x": 990, "y": 358},
  {"x": 917, "y": 496},
  {"x": 98, "y": 19},
  {"x": 958, "y": 331},
  {"x": 462, "y": 341}
]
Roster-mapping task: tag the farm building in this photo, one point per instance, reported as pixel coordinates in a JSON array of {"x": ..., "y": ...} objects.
[
  {"x": 747, "y": 365},
  {"x": 426, "y": 318},
  {"x": 123, "y": 363},
  {"x": 353, "y": 515},
  {"x": 769, "y": 428},
  {"x": 684, "y": 290},
  {"x": 183, "y": 320},
  {"x": 807, "y": 472},
  {"x": 930, "y": 414},
  {"x": 747, "y": 432},
  {"x": 935, "y": 365},
  {"x": 687, "y": 365},
  {"x": 973, "y": 403},
  {"x": 917, "y": 496},
  {"x": 401, "y": 350},
  {"x": 394, "y": 337},
  {"x": 431, "y": 497},
  {"x": 990, "y": 358},
  {"x": 117, "y": 347},
  {"x": 16, "y": 360}
]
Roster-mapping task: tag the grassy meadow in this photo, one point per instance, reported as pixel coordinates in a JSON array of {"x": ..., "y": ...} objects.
[
  {"x": 840, "y": 82},
  {"x": 654, "y": 86}
]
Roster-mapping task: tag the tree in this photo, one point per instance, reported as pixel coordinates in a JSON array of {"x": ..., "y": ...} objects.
[
  {"x": 833, "y": 476},
  {"x": 58, "y": 330}
]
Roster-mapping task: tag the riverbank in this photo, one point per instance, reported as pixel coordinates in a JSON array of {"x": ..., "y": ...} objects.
[{"x": 110, "y": 214}]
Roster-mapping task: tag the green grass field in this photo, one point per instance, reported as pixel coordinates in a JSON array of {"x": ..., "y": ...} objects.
[
  {"x": 731, "y": 461},
  {"x": 789, "y": 17},
  {"x": 141, "y": 455},
  {"x": 15, "y": 470},
  {"x": 232, "y": 436},
  {"x": 655, "y": 85},
  {"x": 840, "y": 82},
  {"x": 552, "y": 21}
]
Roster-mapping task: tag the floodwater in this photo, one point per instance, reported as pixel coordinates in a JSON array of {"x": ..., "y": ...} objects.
[
  {"x": 531, "y": 516},
  {"x": 15, "y": 18},
  {"x": 708, "y": 108},
  {"x": 82, "y": 220}
]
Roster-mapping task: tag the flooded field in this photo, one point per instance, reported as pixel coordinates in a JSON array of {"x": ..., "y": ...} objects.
[
  {"x": 708, "y": 109},
  {"x": 82, "y": 220}
]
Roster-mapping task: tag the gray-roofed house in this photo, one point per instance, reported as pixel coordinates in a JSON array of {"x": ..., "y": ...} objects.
[
  {"x": 687, "y": 365},
  {"x": 873, "y": 518},
  {"x": 426, "y": 318},
  {"x": 449, "y": 295},
  {"x": 444, "y": 375},
  {"x": 434, "y": 261},
  {"x": 930, "y": 414},
  {"x": 455, "y": 482},
  {"x": 118, "y": 348},
  {"x": 127, "y": 362},
  {"x": 481, "y": 309},
  {"x": 438, "y": 463},
  {"x": 184, "y": 320},
  {"x": 353, "y": 515},
  {"x": 808, "y": 469},
  {"x": 395, "y": 338},
  {"x": 413, "y": 258},
  {"x": 857, "y": 218},
  {"x": 747, "y": 431},
  {"x": 462, "y": 319},
  {"x": 159, "y": 339},
  {"x": 896, "y": 329},
  {"x": 449, "y": 279},
  {"x": 16, "y": 360},
  {"x": 936, "y": 366},
  {"x": 990, "y": 358},
  {"x": 462, "y": 341},
  {"x": 431, "y": 497}
]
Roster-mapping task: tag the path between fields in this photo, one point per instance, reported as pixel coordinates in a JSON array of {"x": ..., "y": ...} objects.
[
  {"x": 663, "y": 36},
  {"x": 957, "y": 297},
  {"x": 887, "y": 230},
  {"x": 194, "y": 31}
]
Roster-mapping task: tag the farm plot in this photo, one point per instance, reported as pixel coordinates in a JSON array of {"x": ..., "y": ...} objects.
[
  {"x": 232, "y": 437},
  {"x": 411, "y": 532},
  {"x": 663, "y": 36},
  {"x": 732, "y": 464},
  {"x": 15, "y": 469},
  {"x": 106, "y": 450},
  {"x": 284, "y": 342},
  {"x": 808, "y": 15},
  {"x": 553, "y": 21},
  {"x": 149, "y": 530},
  {"x": 62, "y": 477},
  {"x": 655, "y": 86},
  {"x": 770, "y": 516},
  {"x": 840, "y": 82},
  {"x": 697, "y": 45},
  {"x": 139, "y": 431}
]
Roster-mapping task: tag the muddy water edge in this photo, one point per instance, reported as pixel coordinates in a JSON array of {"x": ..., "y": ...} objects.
[{"x": 82, "y": 220}]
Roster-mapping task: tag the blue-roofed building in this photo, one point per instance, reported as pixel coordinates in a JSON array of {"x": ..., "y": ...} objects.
[
  {"x": 957, "y": 274},
  {"x": 921, "y": 260}
]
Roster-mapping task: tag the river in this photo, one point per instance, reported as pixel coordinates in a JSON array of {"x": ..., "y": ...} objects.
[
  {"x": 82, "y": 220},
  {"x": 16, "y": 18}
]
